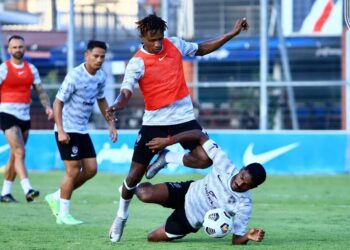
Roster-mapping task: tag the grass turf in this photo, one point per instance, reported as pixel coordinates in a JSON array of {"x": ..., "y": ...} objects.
[{"x": 297, "y": 212}]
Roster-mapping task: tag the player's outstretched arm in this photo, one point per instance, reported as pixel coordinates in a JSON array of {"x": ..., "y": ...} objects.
[
  {"x": 255, "y": 234},
  {"x": 119, "y": 103},
  {"x": 212, "y": 45},
  {"x": 191, "y": 135}
]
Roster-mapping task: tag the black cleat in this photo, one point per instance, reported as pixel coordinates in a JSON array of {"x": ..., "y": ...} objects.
[
  {"x": 8, "y": 198},
  {"x": 32, "y": 194}
]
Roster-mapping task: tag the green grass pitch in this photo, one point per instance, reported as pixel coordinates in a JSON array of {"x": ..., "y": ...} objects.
[{"x": 297, "y": 212}]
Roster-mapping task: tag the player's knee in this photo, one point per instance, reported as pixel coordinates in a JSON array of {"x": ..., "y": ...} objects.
[
  {"x": 18, "y": 152},
  {"x": 143, "y": 192},
  {"x": 91, "y": 172}
]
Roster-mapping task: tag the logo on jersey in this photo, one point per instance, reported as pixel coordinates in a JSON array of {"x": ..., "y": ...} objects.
[
  {"x": 210, "y": 195},
  {"x": 20, "y": 73},
  {"x": 75, "y": 150},
  {"x": 161, "y": 58}
]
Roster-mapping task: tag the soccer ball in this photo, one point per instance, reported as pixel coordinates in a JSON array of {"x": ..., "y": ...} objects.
[{"x": 217, "y": 223}]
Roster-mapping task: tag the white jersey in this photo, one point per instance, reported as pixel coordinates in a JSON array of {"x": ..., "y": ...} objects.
[
  {"x": 19, "y": 110},
  {"x": 177, "y": 112},
  {"x": 214, "y": 191},
  {"x": 78, "y": 93}
]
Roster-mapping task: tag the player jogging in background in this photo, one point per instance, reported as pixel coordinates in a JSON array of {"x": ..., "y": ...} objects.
[
  {"x": 17, "y": 76},
  {"x": 157, "y": 68},
  {"x": 72, "y": 109},
  {"x": 224, "y": 187}
]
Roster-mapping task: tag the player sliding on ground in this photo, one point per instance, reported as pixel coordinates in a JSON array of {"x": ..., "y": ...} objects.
[{"x": 224, "y": 187}]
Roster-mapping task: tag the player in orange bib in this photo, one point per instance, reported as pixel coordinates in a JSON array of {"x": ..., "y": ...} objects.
[
  {"x": 16, "y": 79},
  {"x": 157, "y": 69}
]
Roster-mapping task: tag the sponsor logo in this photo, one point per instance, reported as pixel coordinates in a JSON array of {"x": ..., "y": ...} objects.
[
  {"x": 267, "y": 156},
  {"x": 210, "y": 195},
  {"x": 161, "y": 58},
  {"x": 20, "y": 73}
]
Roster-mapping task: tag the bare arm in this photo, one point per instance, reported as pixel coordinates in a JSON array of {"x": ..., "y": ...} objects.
[
  {"x": 103, "y": 105},
  {"x": 212, "y": 45},
  {"x": 255, "y": 234},
  {"x": 44, "y": 100},
  {"x": 63, "y": 137},
  {"x": 120, "y": 103},
  {"x": 191, "y": 135}
]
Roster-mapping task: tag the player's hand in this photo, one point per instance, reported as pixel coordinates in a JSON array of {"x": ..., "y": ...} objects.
[
  {"x": 113, "y": 134},
  {"x": 63, "y": 137},
  {"x": 110, "y": 113},
  {"x": 256, "y": 234},
  {"x": 49, "y": 113},
  {"x": 241, "y": 24},
  {"x": 157, "y": 143}
]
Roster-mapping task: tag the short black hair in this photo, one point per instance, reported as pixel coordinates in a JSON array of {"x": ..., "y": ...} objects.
[
  {"x": 151, "y": 23},
  {"x": 257, "y": 172},
  {"x": 96, "y": 44},
  {"x": 15, "y": 37}
]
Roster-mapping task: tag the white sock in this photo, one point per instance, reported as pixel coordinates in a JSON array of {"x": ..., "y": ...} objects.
[
  {"x": 173, "y": 157},
  {"x": 64, "y": 207},
  {"x": 6, "y": 187},
  {"x": 57, "y": 194},
  {"x": 123, "y": 210},
  {"x": 26, "y": 185}
]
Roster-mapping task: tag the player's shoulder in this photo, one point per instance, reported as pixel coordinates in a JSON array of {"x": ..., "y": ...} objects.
[{"x": 3, "y": 66}]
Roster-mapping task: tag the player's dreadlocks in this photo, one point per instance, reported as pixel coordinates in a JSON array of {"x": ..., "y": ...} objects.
[{"x": 151, "y": 23}]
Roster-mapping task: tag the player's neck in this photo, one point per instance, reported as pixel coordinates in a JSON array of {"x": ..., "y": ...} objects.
[
  {"x": 16, "y": 61},
  {"x": 89, "y": 69}
]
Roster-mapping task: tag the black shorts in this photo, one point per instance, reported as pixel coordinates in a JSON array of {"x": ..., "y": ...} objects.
[
  {"x": 177, "y": 225},
  {"x": 79, "y": 147},
  {"x": 7, "y": 121},
  {"x": 142, "y": 154}
]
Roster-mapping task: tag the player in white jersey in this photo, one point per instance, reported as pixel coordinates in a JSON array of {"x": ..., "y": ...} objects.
[
  {"x": 81, "y": 88},
  {"x": 157, "y": 69},
  {"x": 17, "y": 77},
  {"x": 224, "y": 187}
]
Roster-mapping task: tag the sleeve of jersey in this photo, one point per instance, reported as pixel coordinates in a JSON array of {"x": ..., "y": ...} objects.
[
  {"x": 186, "y": 48},
  {"x": 133, "y": 73},
  {"x": 217, "y": 155},
  {"x": 67, "y": 88},
  {"x": 3, "y": 72},
  {"x": 241, "y": 219},
  {"x": 35, "y": 73}
]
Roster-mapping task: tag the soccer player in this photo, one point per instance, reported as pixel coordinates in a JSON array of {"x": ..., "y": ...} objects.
[
  {"x": 224, "y": 187},
  {"x": 157, "y": 68},
  {"x": 17, "y": 76},
  {"x": 72, "y": 108}
]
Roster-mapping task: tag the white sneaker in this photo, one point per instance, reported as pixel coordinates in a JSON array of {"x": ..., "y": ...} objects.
[{"x": 117, "y": 228}]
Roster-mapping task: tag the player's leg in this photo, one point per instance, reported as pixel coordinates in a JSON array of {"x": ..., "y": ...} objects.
[
  {"x": 88, "y": 160},
  {"x": 9, "y": 177},
  {"x": 148, "y": 193},
  {"x": 16, "y": 139},
  {"x": 176, "y": 227},
  {"x": 66, "y": 188},
  {"x": 141, "y": 158},
  {"x": 196, "y": 158}
]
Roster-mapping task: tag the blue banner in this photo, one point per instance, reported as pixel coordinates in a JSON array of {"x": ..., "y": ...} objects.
[{"x": 280, "y": 152}]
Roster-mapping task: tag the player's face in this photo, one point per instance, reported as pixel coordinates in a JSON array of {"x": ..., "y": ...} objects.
[
  {"x": 94, "y": 59},
  {"x": 153, "y": 41},
  {"x": 242, "y": 181},
  {"x": 16, "y": 48}
]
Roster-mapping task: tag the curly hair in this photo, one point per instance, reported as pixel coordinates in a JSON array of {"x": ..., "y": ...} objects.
[{"x": 151, "y": 23}]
